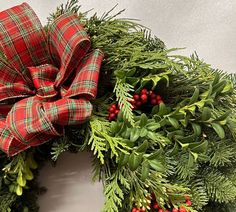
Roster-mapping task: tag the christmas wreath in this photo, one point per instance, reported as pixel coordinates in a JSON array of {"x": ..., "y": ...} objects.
[{"x": 161, "y": 126}]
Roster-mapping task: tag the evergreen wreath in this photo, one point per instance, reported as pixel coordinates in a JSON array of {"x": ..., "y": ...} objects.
[{"x": 162, "y": 130}]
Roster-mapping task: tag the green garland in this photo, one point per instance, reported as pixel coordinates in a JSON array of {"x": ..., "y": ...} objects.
[{"x": 154, "y": 156}]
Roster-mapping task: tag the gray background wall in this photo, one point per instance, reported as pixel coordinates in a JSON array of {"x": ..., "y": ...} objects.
[{"x": 205, "y": 26}]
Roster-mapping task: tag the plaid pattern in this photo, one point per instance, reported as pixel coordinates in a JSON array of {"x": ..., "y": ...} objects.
[{"x": 45, "y": 83}]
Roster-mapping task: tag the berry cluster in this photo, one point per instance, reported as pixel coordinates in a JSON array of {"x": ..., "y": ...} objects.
[
  {"x": 138, "y": 210},
  {"x": 155, "y": 207},
  {"x": 143, "y": 97},
  {"x": 113, "y": 112}
]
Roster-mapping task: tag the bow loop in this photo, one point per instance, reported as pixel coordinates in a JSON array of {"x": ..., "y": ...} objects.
[
  {"x": 22, "y": 38},
  {"x": 68, "y": 44},
  {"x": 12, "y": 83},
  {"x": 53, "y": 80}
]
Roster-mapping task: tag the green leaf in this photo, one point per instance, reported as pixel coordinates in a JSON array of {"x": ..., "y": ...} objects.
[
  {"x": 228, "y": 87},
  {"x": 206, "y": 114},
  {"x": 134, "y": 134},
  {"x": 175, "y": 149},
  {"x": 162, "y": 109},
  {"x": 219, "y": 130},
  {"x": 155, "y": 109},
  {"x": 153, "y": 126},
  {"x": 19, "y": 190},
  {"x": 190, "y": 160},
  {"x": 143, "y": 132},
  {"x": 145, "y": 170},
  {"x": 21, "y": 180},
  {"x": 195, "y": 96},
  {"x": 143, "y": 120},
  {"x": 219, "y": 87},
  {"x": 143, "y": 147},
  {"x": 123, "y": 159},
  {"x": 134, "y": 161},
  {"x": 195, "y": 156},
  {"x": 207, "y": 93},
  {"x": 174, "y": 122},
  {"x": 155, "y": 154},
  {"x": 197, "y": 129},
  {"x": 157, "y": 165},
  {"x": 201, "y": 148},
  {"x": 224, "y": 116}
]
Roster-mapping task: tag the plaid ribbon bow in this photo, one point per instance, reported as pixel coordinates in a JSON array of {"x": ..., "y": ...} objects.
[{"x": 45, "y": 84}]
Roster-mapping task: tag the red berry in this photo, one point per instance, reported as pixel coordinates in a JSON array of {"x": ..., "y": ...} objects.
[
  {"x": 142, "y": 210},
  {"x": 160, "y": 210},
  {"x": 159, "y": 102},
  {"x": 153, "y": 96},
  {"x": 112, "y": 109},
  {"x": 136, "y": 97},
  {"x": 138, "y": 103},
  {"x": 134, "y": 209},
  {"x": 153, "y": 101},
  {"x": 144, "y": 98},
  {"x": 137, "y": 210},
  {"x": 182, "y": 209},
  {"x": 144, "y": 91},
  {"x": 175, "y": 210},
  {"x": 167, "y": 210},
  {"x": 155, "y": 206},
  {"x": 117, "y": 111},
  {"x": 112, "y": 116},
  {"x": 158, "y": 97},
  {"x": 187, "y": 198},
  {"x": 114, "y": 106},
  {"x": 188, "y": 202}
]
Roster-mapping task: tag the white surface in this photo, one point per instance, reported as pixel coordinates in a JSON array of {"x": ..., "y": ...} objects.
[{"x": 205, "y": 26}]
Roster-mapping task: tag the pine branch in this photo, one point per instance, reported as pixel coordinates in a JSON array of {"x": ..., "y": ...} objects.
[
  {"x": 114, "y": 194},
  {"x": 122, "y": 91},
  {"x": 59, "y": 147},
  {"x": 199, "y": 194},
  {"x": 219, "y": 187},
  {"x": 101, "y": 141}
]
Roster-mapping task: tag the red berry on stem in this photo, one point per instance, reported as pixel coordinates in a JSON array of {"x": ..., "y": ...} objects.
[
  {"x": 188, "y": 202},
  {"x": 142, "y": 210},
  {"x": 138, "y": 103},
  {"x": 153, "y": 95},
  {"x": 112, "y": 116},
  {"x": 182, "y": 209},
  {"x": 117, "y": 111},
  {"x": 160, "y": 210},
  {"x": 159, "y": 102},
  {"x": 187, "y": 198},
  {"x": 134, "y": 209},
  {"x": 153, "y": 101},
  {"x": 144, "y": 91},
  {"x": 144, "y": 98},
  {"x": 155, "y": 206},
  {"x": 136, "y": 97},
  {"x": 175, "y": 210},
  {"x": 114, "y": 106},
  {"x": 158, "y": 97},
  {"x": 112, "y": 109}
]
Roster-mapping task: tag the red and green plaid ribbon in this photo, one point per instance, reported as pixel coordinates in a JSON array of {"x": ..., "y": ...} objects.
[{"x": 46, "y": 81}]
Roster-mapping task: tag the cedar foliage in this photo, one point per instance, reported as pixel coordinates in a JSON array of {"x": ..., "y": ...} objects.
[{"x": 183, "y": 147}]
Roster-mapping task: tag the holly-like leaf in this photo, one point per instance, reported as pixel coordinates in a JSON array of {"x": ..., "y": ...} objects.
[{"x": 219, "y": 130}]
